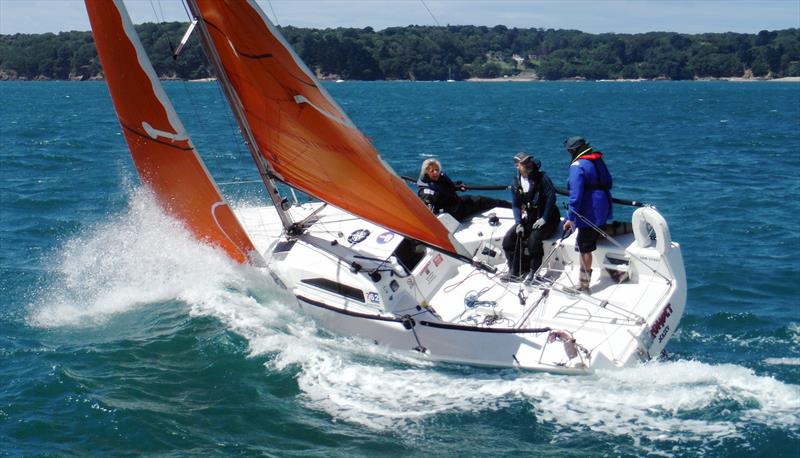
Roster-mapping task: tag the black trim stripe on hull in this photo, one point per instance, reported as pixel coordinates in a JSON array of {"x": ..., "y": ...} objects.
[
  {"x": 460, "y": 327},
  {"x": 347, "y": 312},
  {"x": 452, "y": 327}
]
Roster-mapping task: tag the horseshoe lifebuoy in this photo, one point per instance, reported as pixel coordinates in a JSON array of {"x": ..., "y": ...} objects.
[{"x": 645, "y": 216}]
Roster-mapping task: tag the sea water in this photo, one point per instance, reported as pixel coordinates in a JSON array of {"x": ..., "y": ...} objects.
[{"x": 120, "y": 334}]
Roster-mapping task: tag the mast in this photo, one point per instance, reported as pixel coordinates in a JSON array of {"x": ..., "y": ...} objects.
[
  {"x": 297, "y": 133},
  {"x": 264, "y": 169}
]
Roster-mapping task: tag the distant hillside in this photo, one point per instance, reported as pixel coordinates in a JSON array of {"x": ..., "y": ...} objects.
[{"x": 437, "y": 53}]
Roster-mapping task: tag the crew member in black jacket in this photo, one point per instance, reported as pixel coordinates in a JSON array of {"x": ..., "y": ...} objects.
[
  {"x": 533, "y": 200},
  {"x": 438, "y": 191}
]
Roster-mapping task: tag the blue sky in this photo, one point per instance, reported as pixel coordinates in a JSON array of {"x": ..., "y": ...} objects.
[{"x": 595, "y": 16}]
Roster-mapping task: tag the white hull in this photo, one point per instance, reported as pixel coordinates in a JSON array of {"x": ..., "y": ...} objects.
[
  {"x": 447, "y": 310},
  {"x": 355, "y": 277}
]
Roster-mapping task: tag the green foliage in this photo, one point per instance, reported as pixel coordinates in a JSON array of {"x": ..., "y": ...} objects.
[
  {"x": 72, "y": 55},
  {"x": 438, "y": 53}
]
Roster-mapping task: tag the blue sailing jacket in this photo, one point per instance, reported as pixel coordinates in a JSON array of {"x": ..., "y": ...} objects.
[{"x": 589, "y": 190}]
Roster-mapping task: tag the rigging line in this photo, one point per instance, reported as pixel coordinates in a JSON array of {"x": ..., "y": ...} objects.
[
  {"x": 546, "y": 260},
  {"x": 542, "y": 297},
  {"x": 429, "y": 12},
  {"x": 453, "y": 286},
  {"x": 161, "y": 9},
  {"x": 186, "y": 9},
  {"x": 228, "y": 183},
  {"x": 381, "y": 263},
  {"x": 269, "y": 2},
  {"x": 192, "y": 100},
  {"x": 330, "y": 219},
  {"x": 234, "y": 131},
  {"x": 601, "y": 303},
  {"x": 518, "y": 253},
  {"x": 204, "y": 121},
  {"x": 449, "y": 66},
  {"x": 155, "y": 15},
  {"x": 314, "y": 213}
]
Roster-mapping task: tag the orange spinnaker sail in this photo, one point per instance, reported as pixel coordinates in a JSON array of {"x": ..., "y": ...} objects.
[
  {"x": 162, "y": 152},
  {"x": 306, "y": 138}
]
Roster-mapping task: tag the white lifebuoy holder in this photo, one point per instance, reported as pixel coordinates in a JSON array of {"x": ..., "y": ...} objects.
[{"x": 648, "y": 216}]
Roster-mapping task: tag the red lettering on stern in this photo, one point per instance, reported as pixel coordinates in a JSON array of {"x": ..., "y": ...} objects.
[{"x": 659, "y": 323}]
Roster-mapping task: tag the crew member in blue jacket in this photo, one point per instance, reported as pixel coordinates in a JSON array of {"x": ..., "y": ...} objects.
[
  {"x": 438, "y": 192},
  {"x": 589, "y": 200},
  {"x": 533, "y": 201}
]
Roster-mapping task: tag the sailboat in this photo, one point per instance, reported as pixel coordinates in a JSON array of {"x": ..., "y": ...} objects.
[{"x": 367, "y": 258}]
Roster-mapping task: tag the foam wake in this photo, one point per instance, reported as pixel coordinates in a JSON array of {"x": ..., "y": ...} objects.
[
  {"x": 662, "y": 401},
  {"x": 139, "y": 257}
]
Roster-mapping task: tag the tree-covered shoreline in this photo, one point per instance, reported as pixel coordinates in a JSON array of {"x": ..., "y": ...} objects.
[{"x": 439, "y": 53}]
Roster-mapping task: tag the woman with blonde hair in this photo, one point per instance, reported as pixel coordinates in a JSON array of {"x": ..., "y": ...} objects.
[{"x": 439, "y": 193}]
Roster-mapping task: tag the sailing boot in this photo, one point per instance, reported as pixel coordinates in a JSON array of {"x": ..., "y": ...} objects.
[
  {"x": 585, "y": 278},
  {"x": 533, "y": 275},
  {"x": 512, "y": 277},
  {"x": 531, "y": 278}
]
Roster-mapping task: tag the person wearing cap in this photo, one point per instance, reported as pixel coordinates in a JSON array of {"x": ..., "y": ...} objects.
[
  {"x": 589, "y": 189},
  {"x": 536, "y": 217},
  {"x": 438, "y": 192}
]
